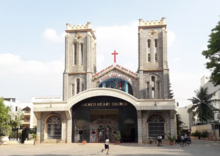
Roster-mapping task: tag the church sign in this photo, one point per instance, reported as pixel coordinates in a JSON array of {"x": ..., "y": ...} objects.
[
  {"x": 104, "y": 104},
  {"x": 114, "y": 75},
  {"x": 116, "y": 66}
]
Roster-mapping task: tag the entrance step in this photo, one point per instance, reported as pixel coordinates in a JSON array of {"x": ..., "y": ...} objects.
[
  {"x": 51, "y": 141},
  {"x": 164, "y": 141}
]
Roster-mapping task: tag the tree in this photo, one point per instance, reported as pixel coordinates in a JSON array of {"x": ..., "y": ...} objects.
[
  {"x": 15, "y": 117},
  {"x": 5, "y": 129},
  {"x": 213, "y": 54},
  {"x": 203, "y": 105},
  {"x": 4, "y": 113},
  {"x": 179, "y": 124},
  {"x": 171, "y": 92}
]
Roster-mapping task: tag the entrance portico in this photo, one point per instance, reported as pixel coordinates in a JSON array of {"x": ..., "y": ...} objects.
[{"x": 143, "y": 108}]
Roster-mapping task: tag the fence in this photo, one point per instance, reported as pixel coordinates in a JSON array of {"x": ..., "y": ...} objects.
[{"x": 21, "y": 134}]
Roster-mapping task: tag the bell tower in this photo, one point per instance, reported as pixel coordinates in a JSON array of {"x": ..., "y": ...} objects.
[
  {"x": 80, "y": 59},
  {"x": 152, "y": 62}
]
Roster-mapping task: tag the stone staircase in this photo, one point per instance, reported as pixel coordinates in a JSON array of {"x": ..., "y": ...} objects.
[{"x": 52, "y": 141}]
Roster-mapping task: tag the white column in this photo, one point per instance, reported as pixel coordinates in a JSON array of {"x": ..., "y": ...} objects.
[
  {"x": 139, "y": 125},
  {"x": 39, "y": 131},
  {"x": 69, "y": 131}
]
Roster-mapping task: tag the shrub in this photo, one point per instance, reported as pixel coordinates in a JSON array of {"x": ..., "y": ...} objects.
[
  {"x": 171, "y": 138},
  {"x": 35, "y": 137},
  {"x": 197, "y": 133},
  {"x": 118, "y": 136},
  {"x": 205, "y": 134}
]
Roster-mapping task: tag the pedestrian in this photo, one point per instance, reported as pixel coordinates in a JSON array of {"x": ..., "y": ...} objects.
[
  {"x": 182, "y": 141},
  {"x": 106, "y": 146},
  {"x": 159, "y": 138}
]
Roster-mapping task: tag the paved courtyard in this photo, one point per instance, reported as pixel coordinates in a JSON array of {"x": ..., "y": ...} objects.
[{"x": 197, "y": 148}]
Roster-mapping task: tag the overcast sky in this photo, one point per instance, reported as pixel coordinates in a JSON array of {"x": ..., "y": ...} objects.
[{"x": 32, "y": 40}]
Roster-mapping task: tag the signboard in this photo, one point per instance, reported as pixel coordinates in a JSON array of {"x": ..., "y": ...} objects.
[
  {"x": 114, "y": 75},
  {"x": 104, "y": 104}
]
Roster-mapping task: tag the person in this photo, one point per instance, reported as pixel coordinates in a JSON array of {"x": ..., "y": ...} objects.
[
  {"x": 182, "y": 141},
  {"x": 159, "y": 140},
  {"x": 106, "y": 146}
]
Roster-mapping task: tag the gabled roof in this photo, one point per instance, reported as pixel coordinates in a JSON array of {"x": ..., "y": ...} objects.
[
  {"x": 112, "y": 67},
  {"x": 26, "y": 107}
]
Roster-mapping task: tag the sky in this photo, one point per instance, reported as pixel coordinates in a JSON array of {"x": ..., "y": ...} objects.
[{"x": 32, "y": 40}]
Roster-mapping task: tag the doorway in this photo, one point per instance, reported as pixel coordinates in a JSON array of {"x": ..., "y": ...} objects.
[{"x": 103, "y": 124}]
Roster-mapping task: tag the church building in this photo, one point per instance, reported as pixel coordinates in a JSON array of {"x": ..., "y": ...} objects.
[{"x": 97, "y": 104}]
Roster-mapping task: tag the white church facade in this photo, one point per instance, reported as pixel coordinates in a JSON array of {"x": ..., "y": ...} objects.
[{"x": 97, "y": 104}]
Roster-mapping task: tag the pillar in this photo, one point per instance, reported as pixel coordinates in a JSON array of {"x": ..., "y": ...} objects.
[
  {"x": 39, "y": 131},
  {"x": 126, "y": 87},
  {"x": 139, "y": 125},
  {"x": 103, "y": 85},
  {"x": 172, "y": 123},
  {"x": 69, "y": 131}
]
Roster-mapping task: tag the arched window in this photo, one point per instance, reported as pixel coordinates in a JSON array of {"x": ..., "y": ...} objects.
[
  {"x": 53, "y": 127},
  {"x": 148, "y": 50},
  {"x": 82, "y": 87},
  {"x": 156, "y": 50},
  {"x": 81, "y": 54},
  {"x": 72, "y": 89},
  {"x": 148, "y": 88},
  {"x": 153, "y": 87},
  {"x": 77, "y": 86},
  {"x": 75, "y": 54},
  {"x": 155, "y": 125},
  {"x": 117, "y": 83}
]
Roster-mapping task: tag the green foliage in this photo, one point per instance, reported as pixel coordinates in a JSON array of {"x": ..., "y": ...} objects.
[
  {"x": 179, "y": 124},
  {"x": 203, "y": 105},
  {"x": 171, "y": 138},
  {"x": 213, "y": 54},
  {"x": 197, "y": 133},
  {"x": 31, "y": 131},
  {"x": 4, "y": 113},
  {"x": 118, "y": 136},
  {"x": 5, "y": 130},
  {"x": 15, "y": 118},
  {"x": 35, "y": 137},
  {"x": 204, "y": 134}
]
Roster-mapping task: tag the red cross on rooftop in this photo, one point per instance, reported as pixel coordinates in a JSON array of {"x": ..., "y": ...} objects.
[{"x": 114, "y": 56}]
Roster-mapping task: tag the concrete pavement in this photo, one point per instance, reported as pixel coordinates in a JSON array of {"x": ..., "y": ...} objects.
[{"x": 197, "y": 148}]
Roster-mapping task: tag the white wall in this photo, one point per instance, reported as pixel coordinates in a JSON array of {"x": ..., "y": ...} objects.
[{"x": 185, "y": 116}]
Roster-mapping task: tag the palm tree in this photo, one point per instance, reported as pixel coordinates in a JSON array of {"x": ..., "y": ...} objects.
[
  {"x": 179, "y": 124},
  {"x": 203, "y": 105}
]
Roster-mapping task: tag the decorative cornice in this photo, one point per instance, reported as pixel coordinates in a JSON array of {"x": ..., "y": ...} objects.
[
  {"x": 82, "y": 30},
  {"x": 152, "y": 26},
  {"x": 76, "y": 73}
]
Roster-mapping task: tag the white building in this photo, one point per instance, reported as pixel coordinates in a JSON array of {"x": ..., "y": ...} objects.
[
  {"x": 212, "y": 89},
  {"x": 30, "y": 120},
  {"x": 186, "y": 117}
]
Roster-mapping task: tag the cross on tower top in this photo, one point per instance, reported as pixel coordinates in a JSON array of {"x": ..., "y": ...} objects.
[{"x": 114, "y": 56}]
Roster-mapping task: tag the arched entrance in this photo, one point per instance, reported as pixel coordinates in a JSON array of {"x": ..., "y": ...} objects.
[
  {"x": 156, "y": 124},
  {"x": 53, "y": 127},
  {"x": 98, "y": 118},
  {"x": 103, "y": 128}
]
